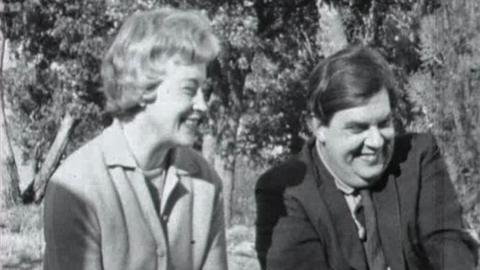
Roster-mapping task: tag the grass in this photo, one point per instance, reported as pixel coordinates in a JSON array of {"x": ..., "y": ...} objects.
[
  {"x": 22, "y": 243},
  {"x": 21, "y": 238},
  {"x": 244, "y": 211},
  {"x": 240, "y": 247}
]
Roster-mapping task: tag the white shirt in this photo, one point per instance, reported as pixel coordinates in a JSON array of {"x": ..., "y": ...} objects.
[{"x": 351, "y": 197}]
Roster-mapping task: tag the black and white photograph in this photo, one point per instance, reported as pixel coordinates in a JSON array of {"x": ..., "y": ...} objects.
[{"x": 240, "y": 135}]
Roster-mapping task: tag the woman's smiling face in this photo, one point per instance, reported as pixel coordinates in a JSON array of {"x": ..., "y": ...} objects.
[{"x": 180, "y": 103}]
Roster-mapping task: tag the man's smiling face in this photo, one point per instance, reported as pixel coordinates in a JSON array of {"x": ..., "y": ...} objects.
[{"x": 358, "y": 142}]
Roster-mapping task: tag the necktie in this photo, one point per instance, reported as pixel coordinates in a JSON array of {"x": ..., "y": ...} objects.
[{"x": 372, "y": 244}]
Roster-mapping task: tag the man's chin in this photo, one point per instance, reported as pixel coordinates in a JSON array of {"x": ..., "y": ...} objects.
[{"x": 372, "y": 176}]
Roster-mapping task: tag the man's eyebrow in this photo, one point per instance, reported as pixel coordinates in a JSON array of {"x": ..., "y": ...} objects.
[
  {"x": 352, "y": 123},
  {"x": 366, "y": 123}
]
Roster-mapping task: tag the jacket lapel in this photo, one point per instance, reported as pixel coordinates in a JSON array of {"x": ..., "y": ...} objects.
[
  {"x": 203, "y": 203},
  {"x": 137, "y": 180},
  {"x": 341, "y": 220},
  {"x": 128, "y": 179},
  {"x": 387, "y": 207},
  {"x": 202, "y": 196}
]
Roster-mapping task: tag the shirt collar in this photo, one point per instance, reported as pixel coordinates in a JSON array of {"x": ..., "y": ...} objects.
[{"x": 341, "y": 185}]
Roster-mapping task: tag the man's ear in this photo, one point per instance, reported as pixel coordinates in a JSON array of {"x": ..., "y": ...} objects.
[{"x": 317, "y": 128}]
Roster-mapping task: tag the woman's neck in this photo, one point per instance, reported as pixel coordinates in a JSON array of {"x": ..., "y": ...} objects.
[{"x": 149, "y": 151}]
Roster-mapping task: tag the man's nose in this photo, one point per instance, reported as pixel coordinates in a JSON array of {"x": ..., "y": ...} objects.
[
  {"x": 199, "y": 102},
  {"x": 374, "y": 138}
]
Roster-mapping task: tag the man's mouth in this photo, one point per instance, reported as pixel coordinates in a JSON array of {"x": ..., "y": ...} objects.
[{"x": 371, "y": 158}]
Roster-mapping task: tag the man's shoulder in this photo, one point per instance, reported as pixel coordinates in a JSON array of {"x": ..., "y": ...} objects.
[
  {"x": 284, "y": 175},
  {"x": 414, "y": 145},
  {"x": 413, "y": 151},
  {"x": 422, "y": 140}
]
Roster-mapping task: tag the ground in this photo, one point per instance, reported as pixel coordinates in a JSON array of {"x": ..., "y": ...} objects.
[
  {"x": 21, "y": 228},
  {"x": 21, "y": 241},
  {"x": 21, "y": 238}
]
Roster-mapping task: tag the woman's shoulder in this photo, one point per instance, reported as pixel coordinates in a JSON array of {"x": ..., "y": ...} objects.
[
  {"x": 81, "y": 166},
  {"x": 194, "y": 163}
]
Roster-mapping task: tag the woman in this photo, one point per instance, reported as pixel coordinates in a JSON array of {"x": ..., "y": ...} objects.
[{"x": 137, "y": 196}]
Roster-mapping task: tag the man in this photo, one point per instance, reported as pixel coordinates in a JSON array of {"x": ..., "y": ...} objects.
[
  {"x": 137, "y": 196},
  {"x": 358, "y": 196}
]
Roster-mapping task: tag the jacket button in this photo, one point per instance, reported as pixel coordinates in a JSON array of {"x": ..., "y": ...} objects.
[
  {"x": 160, "y": 252},
  {"x": 165, "y": 218}
]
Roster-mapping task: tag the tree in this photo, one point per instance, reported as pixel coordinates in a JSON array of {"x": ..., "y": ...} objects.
[
  {"x": 234, "y": 24},
  {"x": 445, "y": 91},
  {"x": 287, "y": 51},
  {"x": 59, "y": 47},
  {"x": 9, "y": 189},
  {"x": 244, "y": 87}
]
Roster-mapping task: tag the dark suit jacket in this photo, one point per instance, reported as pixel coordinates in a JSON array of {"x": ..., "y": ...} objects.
[{"x": 304, "y": 221}]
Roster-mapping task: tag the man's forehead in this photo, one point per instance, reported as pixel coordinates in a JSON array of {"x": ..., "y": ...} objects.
[{"x": 377, "y": 108}]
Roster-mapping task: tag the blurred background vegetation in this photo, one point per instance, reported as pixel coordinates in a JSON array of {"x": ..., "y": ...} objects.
[{"x": 256, "y": 90}]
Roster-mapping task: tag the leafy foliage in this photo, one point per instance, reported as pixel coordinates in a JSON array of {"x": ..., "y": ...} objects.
[
  {"x": 446, "y": 89},
  {"x": 59, "y": 47},
  {"x": 286, "y": 52}
]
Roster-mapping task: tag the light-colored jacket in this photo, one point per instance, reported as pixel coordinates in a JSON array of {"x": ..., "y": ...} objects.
[{"x": 99, "y": 213}]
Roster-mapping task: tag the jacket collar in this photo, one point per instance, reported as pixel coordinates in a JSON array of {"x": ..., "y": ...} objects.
[
  {"x": 116, "y": 153},
  {"x": 342, "y": 230},
  {"x": 115, "y": 147},
  {"x": 386, "y": 200}
]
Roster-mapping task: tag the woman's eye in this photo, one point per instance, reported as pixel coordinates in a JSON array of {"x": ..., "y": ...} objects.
[
  {"x": 151, "y": 87},
  {"x": 190, "y": 90}
]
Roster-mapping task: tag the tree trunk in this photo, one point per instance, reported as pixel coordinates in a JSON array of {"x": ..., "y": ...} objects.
[
  {"x": 9, "y": 188},
  {"x": 226, "y": 169},
  {"x": 331, "y": 33},
  {"x": 36, "y": 189},
  {"x": 209, "y": 147},
  {"x": 227, "y": 166},
  {"x": 9, "y": 182},
  {"x": 229, "y": 188}
]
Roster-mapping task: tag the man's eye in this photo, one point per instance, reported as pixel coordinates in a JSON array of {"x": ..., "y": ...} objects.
[
  {"x": 386, "y": 124},
  {"x": 356, "y": 129},
  {"x": 206, "y": 92}
]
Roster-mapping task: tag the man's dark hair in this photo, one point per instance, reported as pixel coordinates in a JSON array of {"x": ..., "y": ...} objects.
[{"x": 348, "y": 79}]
